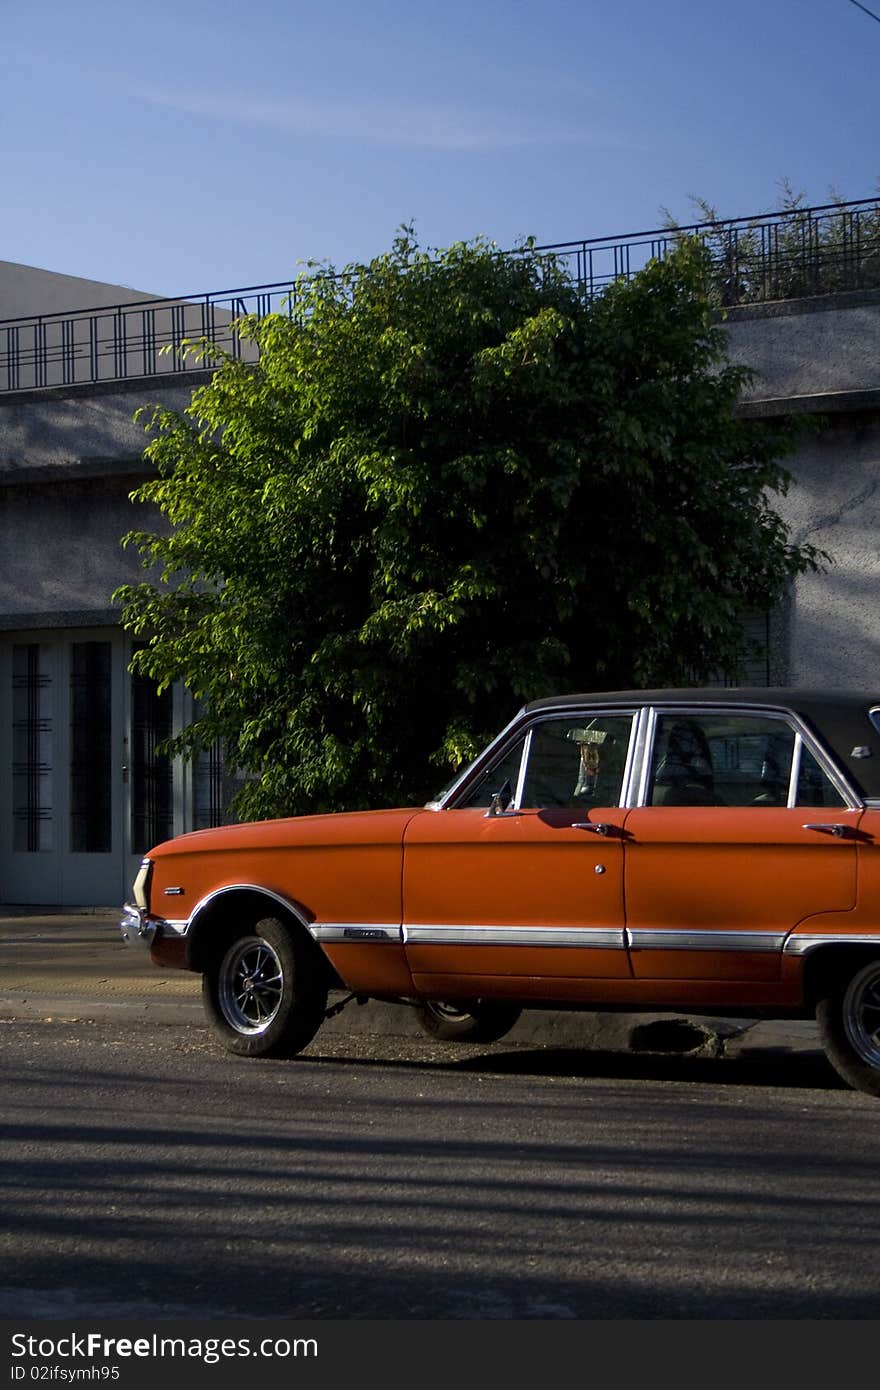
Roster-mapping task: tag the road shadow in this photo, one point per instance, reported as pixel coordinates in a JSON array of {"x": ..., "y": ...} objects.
[{"x": 791, "y": 1070}]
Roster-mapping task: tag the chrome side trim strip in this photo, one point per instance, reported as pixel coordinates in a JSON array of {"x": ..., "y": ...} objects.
[
  {"x": 800, "y": 943},
  {"x": 592, "y": 938},
  {"x": 610, "y": 938},
  {"x": 663, "y": 939},
  {"x": 377, "y": 932}
]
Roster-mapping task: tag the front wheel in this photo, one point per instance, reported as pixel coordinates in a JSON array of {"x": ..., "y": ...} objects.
[
  {"x": 264, "y": 995},
  {"x": 849, "y": 1024},
  {"x": 477, "y": 1022}
]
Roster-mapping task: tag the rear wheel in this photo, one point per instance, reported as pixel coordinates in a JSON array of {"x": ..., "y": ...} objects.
[
  {"x": 849, "y": 1023},
  {"x": 264, "y": 995},
  {"x": 477, "y": 1022}
]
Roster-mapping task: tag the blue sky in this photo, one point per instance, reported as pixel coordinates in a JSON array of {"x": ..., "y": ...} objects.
[{"x": 190, "y": 146}]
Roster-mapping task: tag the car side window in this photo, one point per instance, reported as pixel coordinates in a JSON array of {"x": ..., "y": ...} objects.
[
  {"x": 721, "y": 760},
  {"x": 505, "y": 769},
  {"x": 814, "y": 786},
  {"x": 578, "y": 762}
]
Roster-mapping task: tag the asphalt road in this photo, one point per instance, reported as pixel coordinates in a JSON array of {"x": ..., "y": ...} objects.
[{"x": 147, "y": 1174}]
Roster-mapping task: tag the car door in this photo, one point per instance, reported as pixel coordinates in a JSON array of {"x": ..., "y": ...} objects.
[
  {"x": 524, "y": 897},
  {"x": 744, "y": 832}
]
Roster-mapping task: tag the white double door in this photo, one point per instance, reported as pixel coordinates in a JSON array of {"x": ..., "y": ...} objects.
[{"x": 84, "y": 790}]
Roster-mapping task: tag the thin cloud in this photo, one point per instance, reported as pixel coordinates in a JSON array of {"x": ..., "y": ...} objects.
[{"x": 397, "y": 126}]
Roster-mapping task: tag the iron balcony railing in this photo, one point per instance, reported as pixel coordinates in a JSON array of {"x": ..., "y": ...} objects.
[{"x": 802, "y": 252}]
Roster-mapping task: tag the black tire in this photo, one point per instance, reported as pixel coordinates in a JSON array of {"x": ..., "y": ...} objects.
[
  {"x": 265, "y": 995},
  {"x": 474, "y": 1022},
  {"x": 849, "y": 1025}
]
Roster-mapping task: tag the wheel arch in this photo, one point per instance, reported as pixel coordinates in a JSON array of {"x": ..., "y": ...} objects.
[
  {"x": 218, "y": 918},
  {"x": 830, "y": 965}
]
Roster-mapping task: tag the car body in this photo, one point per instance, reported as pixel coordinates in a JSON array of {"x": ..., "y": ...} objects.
[{"x": 709, "y": 851}]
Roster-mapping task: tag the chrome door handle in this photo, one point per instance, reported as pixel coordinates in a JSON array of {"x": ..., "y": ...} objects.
[
  {"x": 829, "y": 828},
  {"x": 597, "y": 826}
]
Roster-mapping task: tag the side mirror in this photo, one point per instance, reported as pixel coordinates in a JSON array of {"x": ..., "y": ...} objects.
[{"x": 500, "y": 800}]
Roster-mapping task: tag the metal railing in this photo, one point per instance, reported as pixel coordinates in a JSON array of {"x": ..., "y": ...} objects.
[
  {"x": 773, "y": 256},
  {"x": 802, "y": 252}
]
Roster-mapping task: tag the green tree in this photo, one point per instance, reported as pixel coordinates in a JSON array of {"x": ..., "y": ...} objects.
[
  {"x": 446, "y": 485},
  {"x": 792, "y": 253}
]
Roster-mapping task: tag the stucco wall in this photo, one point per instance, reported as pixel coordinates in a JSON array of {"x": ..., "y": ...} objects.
[
  {"x": 82, "y": 432},
  {"x": 821, "y": 357},
  {"x": 812, "y": 353},
  {"x": 61, "y": 551},
  {"x": 833, "y": 618},
  {"x": 27, "y": 289},
  {"x": 68, "y": 461}
]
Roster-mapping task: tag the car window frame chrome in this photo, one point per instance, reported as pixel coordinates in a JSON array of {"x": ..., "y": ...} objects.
[
  {"x": 576, "y": 713},
  {"x": 804, "y": 736},
  {"x": 648, "y": 734},
  {"x": 639, "y": 760},
  {"x": 523, "y": 727},
  {"x": 523, "y": 768},
  {"x": 442, "y": 802}
]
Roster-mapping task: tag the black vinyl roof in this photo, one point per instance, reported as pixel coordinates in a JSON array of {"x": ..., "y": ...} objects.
[{"x": 840, "y": 718}]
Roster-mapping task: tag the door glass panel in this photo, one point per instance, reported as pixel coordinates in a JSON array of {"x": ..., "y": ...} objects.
[
  {"x": 815, "y": 787},
  {"x": 32, "y": 741},
  {"x": 91, "y": 784},
  {"x": 151, "y": 773},
  {"x": 577, "y": 762},
  {"x": 721, "y": 760}
]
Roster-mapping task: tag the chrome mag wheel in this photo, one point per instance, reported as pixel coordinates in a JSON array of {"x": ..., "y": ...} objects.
[
  {"x": 448, "y": 1013},
  {"x": 477, "y": 1020},
  {"x": 250, "y": 985}
]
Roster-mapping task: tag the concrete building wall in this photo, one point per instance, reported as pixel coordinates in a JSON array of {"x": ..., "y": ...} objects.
[
  {"x": 68, "y": 462},
  {"x": 54, "y": 573},
  {"x": 26, "y": 289},
  {"x": 62, "y": 331},
  {"x": 821, "y": 358},
  {"x": 810, "y": 354},
  {"x": 832, "y": 627}
]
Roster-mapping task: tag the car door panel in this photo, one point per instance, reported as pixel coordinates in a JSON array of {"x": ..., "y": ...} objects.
[
  {"x": 525, "y": 896},
  {"x": 713, "y": 892}
]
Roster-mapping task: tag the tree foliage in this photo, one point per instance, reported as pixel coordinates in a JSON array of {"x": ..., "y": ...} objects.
[
  {"x": 445, "y": 486},
  {"x": 792, "y": 253}
]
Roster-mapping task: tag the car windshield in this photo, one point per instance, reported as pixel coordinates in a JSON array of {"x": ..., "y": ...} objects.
[
  {"x": 456, "y": 776},
  {"x": 465, "y": 770}
]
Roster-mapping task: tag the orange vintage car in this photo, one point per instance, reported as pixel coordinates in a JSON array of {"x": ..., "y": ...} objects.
[{"x": 691, "y": 850}]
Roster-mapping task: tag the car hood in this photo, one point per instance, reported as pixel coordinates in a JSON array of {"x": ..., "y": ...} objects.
[{"x": 337, "y": 828}]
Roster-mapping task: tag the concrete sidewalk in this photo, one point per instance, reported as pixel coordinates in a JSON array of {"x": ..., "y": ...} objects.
[{"x": 73, "y": 964}]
